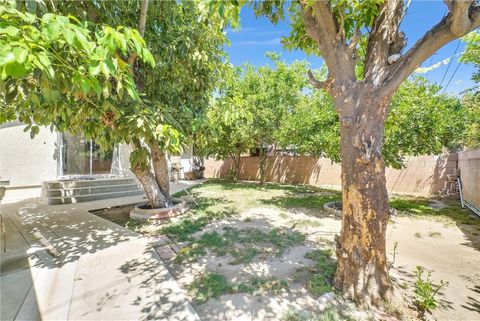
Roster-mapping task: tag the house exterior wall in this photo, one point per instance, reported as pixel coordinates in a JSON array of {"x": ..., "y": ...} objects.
[
  {"x": 422, "y": 176},
  {"x": 25, "y": 161},
  {"x": 469, "y": 165},
  {"x": 29, "y": 162}
]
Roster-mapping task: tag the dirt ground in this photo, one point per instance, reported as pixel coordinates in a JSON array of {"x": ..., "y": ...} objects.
[{"x": 449, "y": 248}]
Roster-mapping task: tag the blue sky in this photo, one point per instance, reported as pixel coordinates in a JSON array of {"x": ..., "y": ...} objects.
[{"x": 256, "y": 36}]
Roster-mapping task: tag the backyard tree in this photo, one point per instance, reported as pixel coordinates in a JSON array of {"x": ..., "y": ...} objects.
[
  {"x": 271, "y": 93},
  {"x": 421, "y": 121},
  {"x": 227, "y": 129},
  {"x": 187, "y": 40},
  {"x": 361, "y": 45},
  {"x": 54, "y": 68}
]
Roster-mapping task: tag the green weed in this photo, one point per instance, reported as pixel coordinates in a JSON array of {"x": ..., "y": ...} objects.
[
  {"x": 207, "y": 286},
  {"x": 321, "y": 277},
  {"x": 426, "y": 290}
]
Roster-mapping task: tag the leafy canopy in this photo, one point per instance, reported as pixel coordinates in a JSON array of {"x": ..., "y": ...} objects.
[{"x": 57, "y": 70}]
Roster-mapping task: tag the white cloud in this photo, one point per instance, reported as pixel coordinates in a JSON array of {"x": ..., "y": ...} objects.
[{"x": 273, "y": 41}]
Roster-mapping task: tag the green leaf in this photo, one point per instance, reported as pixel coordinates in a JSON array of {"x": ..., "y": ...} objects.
[
  {"x": 6, "y": 57},
  {"x": 20, "y": 54},
  {"x": 10, "y": 30}
]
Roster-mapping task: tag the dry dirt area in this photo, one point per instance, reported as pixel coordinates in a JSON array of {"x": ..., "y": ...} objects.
[{"x": 251, "y": 253}]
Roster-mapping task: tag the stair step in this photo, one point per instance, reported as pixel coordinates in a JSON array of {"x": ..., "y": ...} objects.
[
  {"x": 77, "y": 191},
  {"x": 91, "y": 197},
  {"x": 88, "y": 183}
]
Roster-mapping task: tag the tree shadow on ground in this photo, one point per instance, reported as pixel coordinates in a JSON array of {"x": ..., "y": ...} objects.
[
  {"x": 71, "y": 232},
  {"x": 473, "y": 303},
  {"x": 257, "y": 304}
]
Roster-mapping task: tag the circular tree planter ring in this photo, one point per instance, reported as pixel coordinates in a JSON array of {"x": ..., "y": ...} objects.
[
  {"x": 142, "y": 212},
  {"x": 334, "y": 207}
]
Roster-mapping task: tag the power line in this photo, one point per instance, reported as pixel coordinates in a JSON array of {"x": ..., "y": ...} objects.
[
  {"x": 444, "y": 89},
  {"x": 458, "y": 66},
  {"x": 449, "y": 63}
]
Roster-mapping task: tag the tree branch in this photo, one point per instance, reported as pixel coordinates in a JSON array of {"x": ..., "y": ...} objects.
[
  {"x": 141, "y": 28},
  {"x": 384, "y": 33},
  {"x": 322, "y": 26},
  {"x": 319, "y": 84},
  {"x": 432, "y": 41}
]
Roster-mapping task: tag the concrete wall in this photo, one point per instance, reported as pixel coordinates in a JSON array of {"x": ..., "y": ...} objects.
[
  {"x": 469, "y": 165},
  {"x": 25, "y": 161},
  {"x": 423, "y": 175}
]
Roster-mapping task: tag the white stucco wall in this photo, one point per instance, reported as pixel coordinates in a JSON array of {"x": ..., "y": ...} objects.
[
  {"x": 27, "y": 161},
  {"x": 121, "y": 164}
]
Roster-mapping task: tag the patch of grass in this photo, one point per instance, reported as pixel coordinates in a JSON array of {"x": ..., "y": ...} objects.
[
  {"x": 421, "y": 207},
  {"x": 418, "y": 235},
  {"x": 326, "y": 241},
  {"x": 307, "y": 223},
  {"x": 331, "y": 313},
  {"x": 310, "y": 201},
  {"x": 212, "y": 285},
  {"x": 242, "y": 244},
  {"x": 207, "y": 286},
  {"x": 230, "y": 185},
  {"x": 320, "y": 278},
  {"x": 133, "y": 225},
  {"x": 434, "y": 234},
  {"x": 318, "y": 285},
  {"x": 183, "y": 229},
  {"x": 272, "y": 285}
]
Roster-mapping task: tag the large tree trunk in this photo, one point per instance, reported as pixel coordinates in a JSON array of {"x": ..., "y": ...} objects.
[
  {"x": 160, "y": 168},
  {"x": 362, "y": 273},
  {"x": 150, "y": 186}
]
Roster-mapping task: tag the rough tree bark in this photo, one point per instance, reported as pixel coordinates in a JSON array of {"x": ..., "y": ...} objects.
[
  {"x": 154, "y": 195},
  {"x": 362, "y": 272},
  {"x": 156, "y": 198},
  {"x": 160, "y": 168},
  {"x": 362, "y": 105}
]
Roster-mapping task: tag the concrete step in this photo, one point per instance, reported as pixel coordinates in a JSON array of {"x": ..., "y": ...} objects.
[
  {"x": 84, "y": 190},
  {"x": 73, "y": 183},
  {"x": 91, "y": 197},
  {"x": 78, "y": 191}
]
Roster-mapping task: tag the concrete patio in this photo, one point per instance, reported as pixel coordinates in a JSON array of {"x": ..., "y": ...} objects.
[{"x": 102, "y": 271}]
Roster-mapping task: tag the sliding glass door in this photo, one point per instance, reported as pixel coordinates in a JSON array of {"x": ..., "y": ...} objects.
[{"x": 80, "y": 156}]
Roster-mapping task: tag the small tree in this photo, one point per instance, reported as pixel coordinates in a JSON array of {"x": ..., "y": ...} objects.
[
  {"x": 271, "y": 93},
  {"x": 188, "y": 42},
  {"x": 227, "y": 128}
]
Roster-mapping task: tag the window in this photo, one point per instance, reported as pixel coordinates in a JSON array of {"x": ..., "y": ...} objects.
[{"x": 80, "y": 156}]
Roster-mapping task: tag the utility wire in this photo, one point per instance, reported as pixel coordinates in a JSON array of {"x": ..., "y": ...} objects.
[
  {"x": 458, "y": 66},
  {"x": 449, "y": 63}
]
